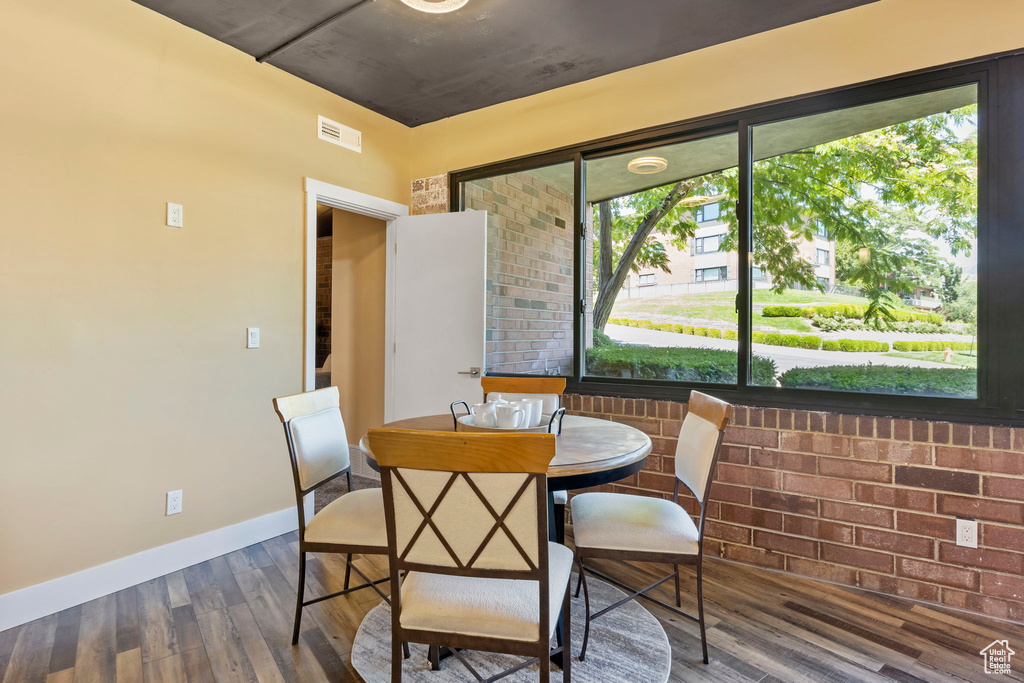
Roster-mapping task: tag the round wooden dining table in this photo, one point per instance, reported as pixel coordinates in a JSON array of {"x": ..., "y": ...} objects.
[{"x": 589, "y": 452}]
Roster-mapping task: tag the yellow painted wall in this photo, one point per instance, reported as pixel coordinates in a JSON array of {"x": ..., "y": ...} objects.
[
  {"x": 357, "y": 319},
  {"x": 877, "y": 40},
  {"x": 123, "y": 368}
]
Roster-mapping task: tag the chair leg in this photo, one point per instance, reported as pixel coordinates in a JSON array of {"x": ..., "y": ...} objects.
[
  {"x": 299, "y": 597},
  {"x": 567, "y": 637},
  {"x": 348, "y": 568},
  {"x": 405, "y": 651},
  {"x": 586, "y": 606},
  {"x": 579, "y": 583},
  {"x": 700, "y": 608},
  {"x": 545, "y": 668},
  {"x": 679, "y": 600},
  {"x": 396, "y": 660}
]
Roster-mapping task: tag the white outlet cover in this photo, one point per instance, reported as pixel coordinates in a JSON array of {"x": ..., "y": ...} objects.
[
  {"x": 173, "y": 502},
  {"x": 967, "y": 533},
  {"x": 175, "y": 217},
  {"x": 252, "y": 337}
]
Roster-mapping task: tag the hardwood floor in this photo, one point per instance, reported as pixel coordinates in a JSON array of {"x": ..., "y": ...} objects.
[{"x": 230, "y": 619}]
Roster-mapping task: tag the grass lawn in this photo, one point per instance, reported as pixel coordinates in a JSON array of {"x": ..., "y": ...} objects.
[
  {"x": 721, "y": 307},
  {"x": 961, "y": 358}
]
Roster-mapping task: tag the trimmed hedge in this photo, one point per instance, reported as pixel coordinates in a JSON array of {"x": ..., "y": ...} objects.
[
  {"x": 682, "y": 364},
  {"x": 846, "y": 311},
  {"x": 932, "y": 346},
  {"x": 882, "y": 379},
  {"x": 781, "y": 312},
  {"x": 797, "y": 341},
  {"x": 855, "y": 345}
]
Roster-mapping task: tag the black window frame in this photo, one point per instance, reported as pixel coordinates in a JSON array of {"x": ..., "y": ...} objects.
[{"x": 1000, "y": 400}]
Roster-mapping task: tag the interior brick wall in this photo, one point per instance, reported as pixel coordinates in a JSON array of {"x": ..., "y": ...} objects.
[
  {"x": 857, "y": 500},
  {"x": 529, "y": 279},
  {"x": 323, "y": 299}
]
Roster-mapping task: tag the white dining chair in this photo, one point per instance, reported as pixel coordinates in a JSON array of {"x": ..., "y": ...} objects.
[
  {"x": 471, "y": 565},
  {"x": 351, "y": 524},
  {"x": 618, "y": 526}
]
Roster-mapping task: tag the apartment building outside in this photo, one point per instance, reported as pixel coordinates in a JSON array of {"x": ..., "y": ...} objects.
[{"x": 703, "y": 266}]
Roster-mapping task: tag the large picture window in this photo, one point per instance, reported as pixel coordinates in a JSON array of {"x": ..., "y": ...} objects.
[{"x": 828, "y": 251}]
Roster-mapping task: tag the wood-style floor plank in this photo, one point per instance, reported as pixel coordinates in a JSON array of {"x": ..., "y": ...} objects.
[
  {"x": 177, "y": 589},
  {"x": 96, "y": 658},
  {"x": 166, "y": 670},
  {"x": 65, "y": 639},
  {"x": 211, "y": 585},
  {"x": 30, "y": 658},
  {"x": 7, "y": 640},
  {"x": 156, "y": 621},
  {"x": 127, "y": 619},
  {"x": 224, "y": 647},
  {"x": 197, "y": 666},
  {"x": 129, "y": 666}
]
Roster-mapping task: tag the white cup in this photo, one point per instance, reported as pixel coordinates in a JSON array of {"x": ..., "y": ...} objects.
[
  {"x": 534, "y": 409},
  {"x": 510, "y": 416},
  {"x": 495, "y": 398},
  {"x": 483, "y": 414}
]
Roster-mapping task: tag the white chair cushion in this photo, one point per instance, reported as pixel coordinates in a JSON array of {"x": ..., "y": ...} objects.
[
  {"x": 561, "y": 497},
  {"x": 499, "y": 608},
  {"x": 356, "y": 518},
  {"x": 617, "y": 521}
]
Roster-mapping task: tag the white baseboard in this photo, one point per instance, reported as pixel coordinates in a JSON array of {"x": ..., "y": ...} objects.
[{"x": 24, "y": 605}]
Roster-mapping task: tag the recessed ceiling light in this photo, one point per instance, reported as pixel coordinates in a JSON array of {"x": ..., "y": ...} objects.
[
  {"x": 647, "y": 165},
  {"x": 436, "y": 6}
]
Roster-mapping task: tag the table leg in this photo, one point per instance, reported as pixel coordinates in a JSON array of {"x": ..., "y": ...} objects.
[{"x": 556, "y": 531}]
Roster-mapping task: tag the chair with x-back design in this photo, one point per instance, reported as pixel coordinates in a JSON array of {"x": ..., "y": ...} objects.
[{"x": 467, "y": 532}]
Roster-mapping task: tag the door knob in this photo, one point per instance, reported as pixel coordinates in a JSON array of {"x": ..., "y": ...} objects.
[{"x": 473, "y": 372}]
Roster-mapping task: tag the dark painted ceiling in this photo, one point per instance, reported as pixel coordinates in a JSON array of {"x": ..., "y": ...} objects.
[{"x": 416, "y": 68}]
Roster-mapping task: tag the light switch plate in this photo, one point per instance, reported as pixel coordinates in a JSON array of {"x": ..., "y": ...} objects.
[
  {"x": 252, "y": 337},
  {"x": 175, "y": 218}
]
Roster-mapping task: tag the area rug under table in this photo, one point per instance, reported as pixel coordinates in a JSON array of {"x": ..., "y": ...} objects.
[{"x": 627, "y": 645}]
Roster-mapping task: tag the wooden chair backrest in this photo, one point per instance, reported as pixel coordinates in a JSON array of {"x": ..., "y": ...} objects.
[{"x": 465, "y": 503}]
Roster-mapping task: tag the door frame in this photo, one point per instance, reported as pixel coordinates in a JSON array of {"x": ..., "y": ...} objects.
[{"x": 319, "y": 192}]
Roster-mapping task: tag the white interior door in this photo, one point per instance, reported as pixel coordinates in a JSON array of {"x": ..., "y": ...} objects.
[{"x": 439, "y": 282}]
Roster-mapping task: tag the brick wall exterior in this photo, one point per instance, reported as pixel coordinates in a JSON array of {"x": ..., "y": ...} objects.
[
  {"x": 858, "y": 500},
  {"x": 323, "y": 298},
  {"x": 529, "y": 273}
]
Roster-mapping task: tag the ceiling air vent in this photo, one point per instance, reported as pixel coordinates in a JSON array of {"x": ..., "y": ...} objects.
[{"x": 332, "y": 131}]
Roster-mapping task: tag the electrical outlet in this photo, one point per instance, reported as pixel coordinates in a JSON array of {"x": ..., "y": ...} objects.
[
  {"x": 174, "y": 215},
  {"x": 966, "y": 532},
  {"x": 252, "y": 337},
  {"x": 173, "y": 502}
]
